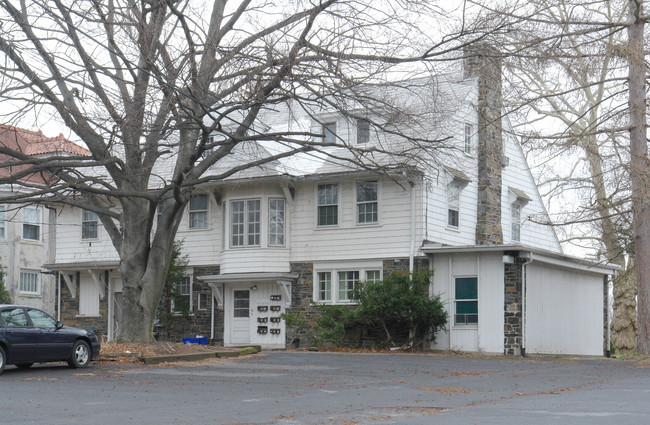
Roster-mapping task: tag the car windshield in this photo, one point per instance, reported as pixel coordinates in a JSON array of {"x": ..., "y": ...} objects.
[{"x": 41, "y": 320}]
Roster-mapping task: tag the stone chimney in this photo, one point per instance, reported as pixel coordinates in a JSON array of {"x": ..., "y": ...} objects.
[{"x": 483, "y": 61}]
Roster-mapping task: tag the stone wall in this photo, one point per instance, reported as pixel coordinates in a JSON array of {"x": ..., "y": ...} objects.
[
  {"x": 198, "y": 322},
  {"x": 302, "y": 297},
  {"x": 513, "y": 309},
  {"x": 70, "y": 309}
]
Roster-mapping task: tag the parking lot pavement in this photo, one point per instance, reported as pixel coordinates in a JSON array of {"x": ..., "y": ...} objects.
[{"x": 334, "y": 388}]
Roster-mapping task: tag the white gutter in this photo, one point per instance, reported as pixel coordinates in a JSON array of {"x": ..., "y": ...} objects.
[
  {"x": 58, "y": 300},
  {"x": 523, "y": 303},
  {"x": 212, "y": 317}
]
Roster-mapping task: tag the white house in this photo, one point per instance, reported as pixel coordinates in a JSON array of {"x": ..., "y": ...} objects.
[
  {"x": 309, "y": 227},
  {"x": 28, "y": 231}
]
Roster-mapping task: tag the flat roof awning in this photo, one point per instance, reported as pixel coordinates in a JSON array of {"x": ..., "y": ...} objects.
[
  {"x": 83, "y": 265},
  {"x": 248, "y": 277},
  {"x": 532, "y": 254}
]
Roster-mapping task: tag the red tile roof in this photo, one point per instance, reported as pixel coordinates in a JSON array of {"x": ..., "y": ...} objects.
[
  {"x": 36, "y": 143},
  {"x": 33, "y": 143}
]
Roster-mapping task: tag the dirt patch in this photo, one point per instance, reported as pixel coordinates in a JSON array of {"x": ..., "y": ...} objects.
[{"x": 130, "y": 352}]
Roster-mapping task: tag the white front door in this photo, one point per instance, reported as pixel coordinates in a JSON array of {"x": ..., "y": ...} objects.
[
  {"x": 240, "y": 316},
  {"x": 253, "y": 315}
]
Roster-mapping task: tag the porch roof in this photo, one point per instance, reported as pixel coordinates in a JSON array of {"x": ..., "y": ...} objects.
[
  {"x": 529, "y": 253},
  {"x": 83, "y": 265},
  {"x": 248, "y": 277}
]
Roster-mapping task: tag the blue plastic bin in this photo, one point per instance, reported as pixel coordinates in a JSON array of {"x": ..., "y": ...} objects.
[{"x": 200, "y": 340}]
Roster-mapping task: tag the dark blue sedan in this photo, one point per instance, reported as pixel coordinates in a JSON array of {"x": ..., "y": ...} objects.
[{"x": 29, "y": 335}]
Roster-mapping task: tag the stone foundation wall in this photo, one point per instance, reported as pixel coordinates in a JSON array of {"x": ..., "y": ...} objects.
[
  {"x": 70, "y": 309},
  {"x": 198, "y": 322},
  {"x": 302, "y": 297}
]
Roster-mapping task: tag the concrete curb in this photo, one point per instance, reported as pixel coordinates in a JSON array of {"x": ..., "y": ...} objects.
[{"x": 200, "y": 356}]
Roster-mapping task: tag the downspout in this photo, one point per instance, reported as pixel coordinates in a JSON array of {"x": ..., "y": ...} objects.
[
  {"x": 608, "y": 351},
  {"x": 523, "y": 302},
  {"x": 412, "y": 249},
  {"x": 212, "y": 316},
  {"x": 58, "y": 297}
]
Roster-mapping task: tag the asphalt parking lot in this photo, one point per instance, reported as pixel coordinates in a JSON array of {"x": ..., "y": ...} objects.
[{"x": 333, "y": 388}]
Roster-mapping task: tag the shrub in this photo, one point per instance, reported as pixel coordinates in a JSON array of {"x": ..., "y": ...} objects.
[
  {"x": 5, "y": 296},
  {"x": 401, "y": 300}
]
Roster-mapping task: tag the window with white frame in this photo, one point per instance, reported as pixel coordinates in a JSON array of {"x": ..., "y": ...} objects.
[
  {"x": 328, "y": 204},
  {"x": 89, "y": 225},
  {"x": 160, "y": 209},
  {"x": 466, "y": 301},
  {"x": 516, "y": 222},
  {"x": 3, "y": 221},
  {"x": 363, "y": 131},
  {"x": 337, "y": 286},
  {"x": 209, "y": 148},
  {"x": 30, "y": 282},
  {"x": 183, "y": 300},
  {"x": 245, "y": 219},
  {"x": 469, "y": 130},
  {"x": 347, "y": 282},
  {"x": 453, "y": 205},
  {"x": 276, "y": 222},
  {"x": 202, "y": 301},
  {"x": 199, "y": 211},
  {"x": 367, "y": 206},
  {"x": 324, "y": 286},
  {"x": 31, "y": 223},
  {"x": 329, "y": 133}
]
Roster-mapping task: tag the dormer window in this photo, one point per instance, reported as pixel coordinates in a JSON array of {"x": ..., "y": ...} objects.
[
  {"x": 469, "y": 130},
  {"x": 516, "y": 222},
  {"x": 453, "y": 205},
  {"x": 329, "y": 133},
  {"x": 519, "y": 199}
]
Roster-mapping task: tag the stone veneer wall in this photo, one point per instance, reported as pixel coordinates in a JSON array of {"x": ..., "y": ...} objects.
[
  {"x": 198, "y": 322},
  {"x": 513, "y": 309},
  {"x": 483, "y": 62},
  {"x": 302, "y": 297},
  {"x": 70, "y": 309}
]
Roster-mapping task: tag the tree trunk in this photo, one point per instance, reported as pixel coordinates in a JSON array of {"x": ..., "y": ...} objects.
[
  {"x": 639, "y": 169},
  {"x": 624, "y": 320}
]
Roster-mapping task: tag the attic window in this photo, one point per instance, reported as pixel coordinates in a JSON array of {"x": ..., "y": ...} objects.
[
  {"x": 329, "y": 133},
  {"x": 363, "y": 131},
  {"x": 516, "y": 222}
]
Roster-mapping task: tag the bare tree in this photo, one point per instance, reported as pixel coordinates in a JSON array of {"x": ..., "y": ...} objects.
[
  {"x": 534, "y": 28},
  {"x": 147, "y": 83},
  {"x": 568, "y": 82},
  {"x": 639, "y": 167}
]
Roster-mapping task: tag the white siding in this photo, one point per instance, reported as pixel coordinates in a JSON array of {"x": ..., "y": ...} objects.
[
  {"x": 202, "y": 246},
  {"x": 390, "y": 238},
  {"x": 517, "y": 174},
  {"x": 71, "y": 248},
  {"x": 564, "y": 311},
  {"x": 488, "y": 335}
]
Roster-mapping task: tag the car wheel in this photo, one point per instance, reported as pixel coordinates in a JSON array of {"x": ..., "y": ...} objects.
[
  {"x": 80, "y": 355},
  {"x": 3, "y": 359},
  {"x": 24, "y": 365}
]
